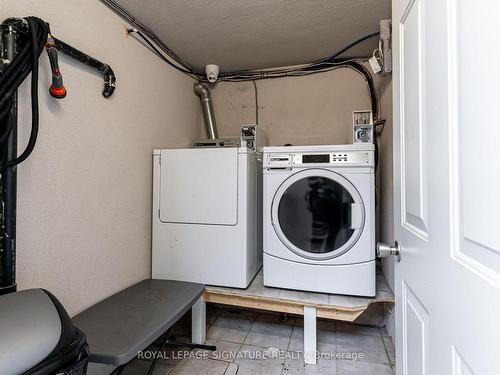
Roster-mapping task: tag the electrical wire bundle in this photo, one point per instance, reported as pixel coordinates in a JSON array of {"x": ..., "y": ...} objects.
[
  {"x": 324, "y": 65},
  {"x": 145, "y": 33},
  {"x": 327, "y": 64},
  {"x": 24, "y": 62},
  {"x": 166, "y": 54}
]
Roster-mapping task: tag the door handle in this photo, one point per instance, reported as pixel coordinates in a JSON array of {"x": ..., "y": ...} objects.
[
  {"x": 384, "y": 250},
  {"x": 356, "y": 216}
]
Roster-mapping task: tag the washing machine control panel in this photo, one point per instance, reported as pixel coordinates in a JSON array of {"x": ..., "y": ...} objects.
[{"x": 287, "y": 161}]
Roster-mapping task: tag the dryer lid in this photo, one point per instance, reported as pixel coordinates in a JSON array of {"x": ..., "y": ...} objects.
[
  {"x": 199, "y": 186},
  {"x": 318, "y": 214}
]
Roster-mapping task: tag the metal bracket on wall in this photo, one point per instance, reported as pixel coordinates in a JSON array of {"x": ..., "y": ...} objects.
[{"x": 108, "y": 74}]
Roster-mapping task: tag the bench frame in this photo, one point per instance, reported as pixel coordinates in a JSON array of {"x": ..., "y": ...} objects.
[{"x": 199, "y": 321}]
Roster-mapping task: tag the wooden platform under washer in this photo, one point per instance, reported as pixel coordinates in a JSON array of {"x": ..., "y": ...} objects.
[{"x": 329, "y": 306}]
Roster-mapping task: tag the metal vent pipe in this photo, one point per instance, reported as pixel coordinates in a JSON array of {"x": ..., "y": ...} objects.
[{"x": 208, "y": 110}]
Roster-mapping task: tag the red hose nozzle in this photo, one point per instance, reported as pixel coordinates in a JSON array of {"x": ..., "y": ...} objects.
[
  {"x": 57, "y": 92},
  {"x": 56, "y": 89}
]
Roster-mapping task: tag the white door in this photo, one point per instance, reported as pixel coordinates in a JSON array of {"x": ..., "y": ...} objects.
[{"x": 447, "y": 186}]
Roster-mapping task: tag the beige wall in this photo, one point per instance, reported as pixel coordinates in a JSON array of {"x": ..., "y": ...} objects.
[
  {"x": 84, "y": 196},
  {"x": 315, "y": 109}
]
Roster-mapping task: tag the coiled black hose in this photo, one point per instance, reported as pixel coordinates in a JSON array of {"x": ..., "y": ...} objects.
[{"x": 25, "y": 61}]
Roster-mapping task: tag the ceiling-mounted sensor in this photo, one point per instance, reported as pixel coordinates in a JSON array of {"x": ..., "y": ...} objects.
[{"x": 212, "y": 72}]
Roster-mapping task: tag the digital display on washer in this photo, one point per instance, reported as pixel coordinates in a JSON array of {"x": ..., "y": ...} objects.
[{"x": 316, "y": 158}]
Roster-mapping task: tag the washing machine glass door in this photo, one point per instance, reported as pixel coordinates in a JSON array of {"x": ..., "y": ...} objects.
[{"x": 318, "y": 214}]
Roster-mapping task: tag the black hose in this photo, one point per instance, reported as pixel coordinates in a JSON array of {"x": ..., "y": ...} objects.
[
  {"x": 369, "y": 80},
  {"x": 22, "y": 64},
  {"x": 348, "y": 47},
  {"x": 318, "y": 66}
]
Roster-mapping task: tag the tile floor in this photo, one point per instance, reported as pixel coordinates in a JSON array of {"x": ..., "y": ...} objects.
[{"x": 254, "y": 343}]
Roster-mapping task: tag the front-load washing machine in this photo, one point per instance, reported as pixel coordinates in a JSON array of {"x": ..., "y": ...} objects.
[
  {"x": 207, "y": 215},
  {"x": 319, "y": 218}
]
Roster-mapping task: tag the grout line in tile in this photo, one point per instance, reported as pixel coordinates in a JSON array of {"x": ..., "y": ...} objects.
[
  {"x": 234, "y": 363},
  {"x": 251, "y": 326},
  {"x": 217, "y": 360},
  {"x": 229, "y": 341},
  {"x": 217, "y": 315},
  {"x": 283, "y": 367},
  {"x": 380, "y": 332},
  {"x": 290, "y": 340},
  {"x": 386, "y": 351},
  {"x": 237, "y": 351}
]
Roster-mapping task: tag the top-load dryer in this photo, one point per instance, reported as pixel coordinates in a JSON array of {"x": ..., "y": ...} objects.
[
  {"x": 207, "y": 215},
  {"x": 319, "y": 218}
]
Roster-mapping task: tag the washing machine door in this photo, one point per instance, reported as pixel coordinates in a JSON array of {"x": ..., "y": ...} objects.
[{"x": 318, "y": 214}]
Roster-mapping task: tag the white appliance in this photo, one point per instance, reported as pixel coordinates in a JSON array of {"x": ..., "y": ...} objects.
[
  {"x": 207, "y": 215},
  {"x": 319, "y": 218}
]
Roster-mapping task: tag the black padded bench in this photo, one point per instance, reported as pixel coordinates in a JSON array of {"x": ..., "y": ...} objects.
[{"x": 126, "y": 323}]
